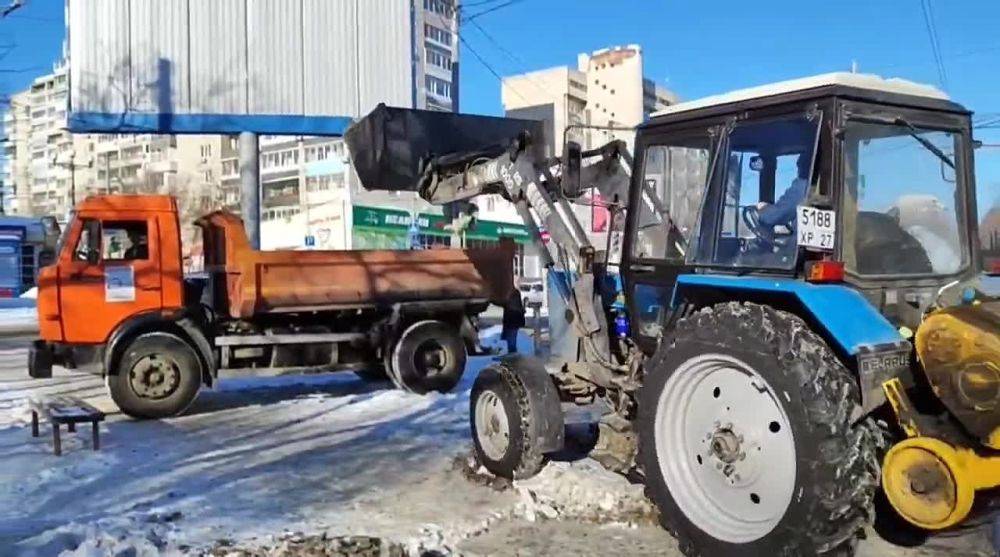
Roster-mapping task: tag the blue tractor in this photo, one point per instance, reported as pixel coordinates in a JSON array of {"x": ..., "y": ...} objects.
[{"x": 799, "y": 265}]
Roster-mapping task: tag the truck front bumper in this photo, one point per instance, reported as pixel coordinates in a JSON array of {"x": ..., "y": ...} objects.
[
  {"x": 82, "y": 357},
  {"x": 40, "y": 359}
]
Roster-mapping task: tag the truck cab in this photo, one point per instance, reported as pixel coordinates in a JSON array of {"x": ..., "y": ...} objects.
[{"x": 120, "y": 257}]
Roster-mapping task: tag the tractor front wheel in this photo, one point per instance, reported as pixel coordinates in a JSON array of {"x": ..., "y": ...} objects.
[{"x": 746, "y": 439}]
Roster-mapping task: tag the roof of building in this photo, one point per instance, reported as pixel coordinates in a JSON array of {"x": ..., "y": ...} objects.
[{"x": 843, "y": 79}]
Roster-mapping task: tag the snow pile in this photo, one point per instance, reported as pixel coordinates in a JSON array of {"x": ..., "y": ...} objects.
[
  {"x": 140, "y": 537},
  {"x": 583, "y": 490}
]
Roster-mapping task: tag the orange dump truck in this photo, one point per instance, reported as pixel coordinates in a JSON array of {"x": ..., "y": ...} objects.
[{"x": 116, "y": 302}]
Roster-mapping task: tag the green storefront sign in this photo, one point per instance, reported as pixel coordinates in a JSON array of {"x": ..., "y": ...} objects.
[{"x": 379, "y": 228}]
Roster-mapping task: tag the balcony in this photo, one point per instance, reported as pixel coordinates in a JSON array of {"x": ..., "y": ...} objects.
[{"x": 162, "y": 166}]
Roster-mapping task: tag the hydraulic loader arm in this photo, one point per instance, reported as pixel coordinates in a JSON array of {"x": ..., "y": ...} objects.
[
  {"x": 543, "y": 201},
  {"x": 452, "y": 157}
]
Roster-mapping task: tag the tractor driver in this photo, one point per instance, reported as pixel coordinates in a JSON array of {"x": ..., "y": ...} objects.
[{"x": 782, "y": 211}]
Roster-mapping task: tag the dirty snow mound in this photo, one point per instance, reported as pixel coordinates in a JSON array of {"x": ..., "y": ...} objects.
[{"x": 583, "y": 490}]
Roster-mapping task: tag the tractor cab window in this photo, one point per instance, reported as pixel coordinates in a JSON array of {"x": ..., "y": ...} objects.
[
  {"x": 673, "y": 184},
  {"x": 902, "y": 201},
  {"x": 763, "y": 175}
]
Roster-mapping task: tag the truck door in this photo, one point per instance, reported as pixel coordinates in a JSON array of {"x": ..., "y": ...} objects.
[
  {"x": 663, "y": 210},
  {"x": 114, "y": 273}
]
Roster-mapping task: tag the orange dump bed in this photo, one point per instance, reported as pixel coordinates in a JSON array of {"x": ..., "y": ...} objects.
[{"x": 250, "y": 282}]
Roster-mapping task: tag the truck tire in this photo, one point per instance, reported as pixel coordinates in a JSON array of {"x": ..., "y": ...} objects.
[
  {"x": 158, "y": 376},
  {"x": 503, "y": 419},
  {"x": 746, "y": 438},
  {"x": 429, "y": 356}
]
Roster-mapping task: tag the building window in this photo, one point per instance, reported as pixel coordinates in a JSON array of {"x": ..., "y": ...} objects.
[
  {"x": 437, "y": 34},
  {"x": 437, "y": 56},
  {"x": 441, "y": 7},
  {"x": 206, "y": 151},
  {"x": 438, "y": 87}
]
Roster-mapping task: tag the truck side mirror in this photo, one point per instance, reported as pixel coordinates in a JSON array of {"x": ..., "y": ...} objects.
[
  {"x": 571, "y": 161},
  {"x": 93, "y": 230}
]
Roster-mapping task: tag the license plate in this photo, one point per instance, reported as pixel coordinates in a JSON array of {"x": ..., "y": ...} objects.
[{"x": 817, "y": 228}]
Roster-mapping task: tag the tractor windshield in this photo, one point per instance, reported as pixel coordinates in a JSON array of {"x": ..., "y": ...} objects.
[
  {"x": 763, "y": 174},
  {"x": 902, "y": 201}
]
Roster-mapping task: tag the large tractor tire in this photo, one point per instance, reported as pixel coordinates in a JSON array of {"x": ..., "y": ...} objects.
[
  {"x": 158, "y": 376},
  {"x": 746, "y": 439},
  {"x": 505, "y": 424},
  {"x": 428, "y": 356}
]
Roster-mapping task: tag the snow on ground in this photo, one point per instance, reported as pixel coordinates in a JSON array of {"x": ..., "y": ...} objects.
[{"x": 262, "y": 461}]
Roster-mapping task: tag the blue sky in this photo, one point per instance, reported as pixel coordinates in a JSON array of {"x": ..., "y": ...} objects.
[{"x": 694, "y": 48}]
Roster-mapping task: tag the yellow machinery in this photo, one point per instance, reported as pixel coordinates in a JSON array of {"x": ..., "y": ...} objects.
[{"x": 932, "y": 476}]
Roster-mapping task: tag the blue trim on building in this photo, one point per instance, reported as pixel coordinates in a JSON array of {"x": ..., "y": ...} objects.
[
  {"x": 147, "y": 122},
  {"x": 850, "y": 320}
]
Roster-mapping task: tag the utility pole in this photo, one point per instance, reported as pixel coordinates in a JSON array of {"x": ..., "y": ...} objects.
[{"x": 250, "y": 178}]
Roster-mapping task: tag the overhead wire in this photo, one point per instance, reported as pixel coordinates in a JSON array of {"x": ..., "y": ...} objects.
[
  {"x": 513, "y": 57},
  {"x": 928, "y": 12},
  {"x": 477, "y": 55},
  {"x": 492, "y": 9}
]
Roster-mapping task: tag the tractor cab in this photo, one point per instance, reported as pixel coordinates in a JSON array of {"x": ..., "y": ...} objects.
[{"x": 833, "y": 178}]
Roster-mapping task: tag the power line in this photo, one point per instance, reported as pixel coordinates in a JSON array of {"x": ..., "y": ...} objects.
[
  {"x": 492, "y": 9},
  {"x": 14, "y": 4},
  {"x": 927, "y": 9},
  {"x": 488, "y": 66},
  {"x": 518, "y": 61},
  {"x": 462, "y": 6}
]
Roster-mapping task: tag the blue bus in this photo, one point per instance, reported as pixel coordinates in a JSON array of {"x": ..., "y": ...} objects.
[{"x": 26, "y": 245}]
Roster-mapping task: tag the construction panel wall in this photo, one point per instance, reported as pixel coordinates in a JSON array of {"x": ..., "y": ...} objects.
[{"x": 224, "y": 66}]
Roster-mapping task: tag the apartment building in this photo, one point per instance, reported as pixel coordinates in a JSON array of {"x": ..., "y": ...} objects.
[
  {"x": 607, "y": 89},
  {"x": 38, "y": 174},
  {"x": 46, "y": 169},
  {"x": 599, "y": 100}
]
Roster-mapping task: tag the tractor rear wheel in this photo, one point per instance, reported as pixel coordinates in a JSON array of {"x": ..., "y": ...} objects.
[{"x": 746, "y": 438}]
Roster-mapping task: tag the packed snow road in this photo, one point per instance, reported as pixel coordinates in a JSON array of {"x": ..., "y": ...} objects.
[{"x": 278, "y": 466}]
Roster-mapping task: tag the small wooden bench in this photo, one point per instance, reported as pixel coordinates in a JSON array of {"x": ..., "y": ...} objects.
[{"x": 69, "y": 411}]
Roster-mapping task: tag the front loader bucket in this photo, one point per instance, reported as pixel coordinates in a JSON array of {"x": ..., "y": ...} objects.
[{"x": 390, "y": 147}]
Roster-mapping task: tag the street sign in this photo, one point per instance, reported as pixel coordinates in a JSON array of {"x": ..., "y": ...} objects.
[
  {"x": 310, "y": 241},
  {"x": 299, "y": 67}
]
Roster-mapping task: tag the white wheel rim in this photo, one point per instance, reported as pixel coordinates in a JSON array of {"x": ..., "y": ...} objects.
[
  {"x": 492, "y": 429},
  {"x": 725, "y": 448}
]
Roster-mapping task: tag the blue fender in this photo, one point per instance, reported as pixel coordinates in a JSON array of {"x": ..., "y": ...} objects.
[{"x": 848, "y": 319}]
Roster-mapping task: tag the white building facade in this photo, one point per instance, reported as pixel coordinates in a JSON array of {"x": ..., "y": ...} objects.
[{"x": 604, "y": 97}]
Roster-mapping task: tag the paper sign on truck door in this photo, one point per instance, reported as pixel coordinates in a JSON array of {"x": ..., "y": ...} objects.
[{"x": 119, "y": 283}]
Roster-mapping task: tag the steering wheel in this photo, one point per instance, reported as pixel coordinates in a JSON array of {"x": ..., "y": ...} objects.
[{"x": 751, "y": 217}]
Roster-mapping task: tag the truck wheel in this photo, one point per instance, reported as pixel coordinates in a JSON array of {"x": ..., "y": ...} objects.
[
  {"x": 746, "y": 440},
  {"x": 503, "y": 420},
  {"x": 429, "y": 356},
  {"x": 158, "y": 376}
]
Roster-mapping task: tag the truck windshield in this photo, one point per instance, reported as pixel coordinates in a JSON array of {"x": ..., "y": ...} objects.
[{"x": 902, "y": 201}]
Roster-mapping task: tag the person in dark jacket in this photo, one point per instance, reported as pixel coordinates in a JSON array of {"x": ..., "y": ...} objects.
[{"x": 513, "y": 320}]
